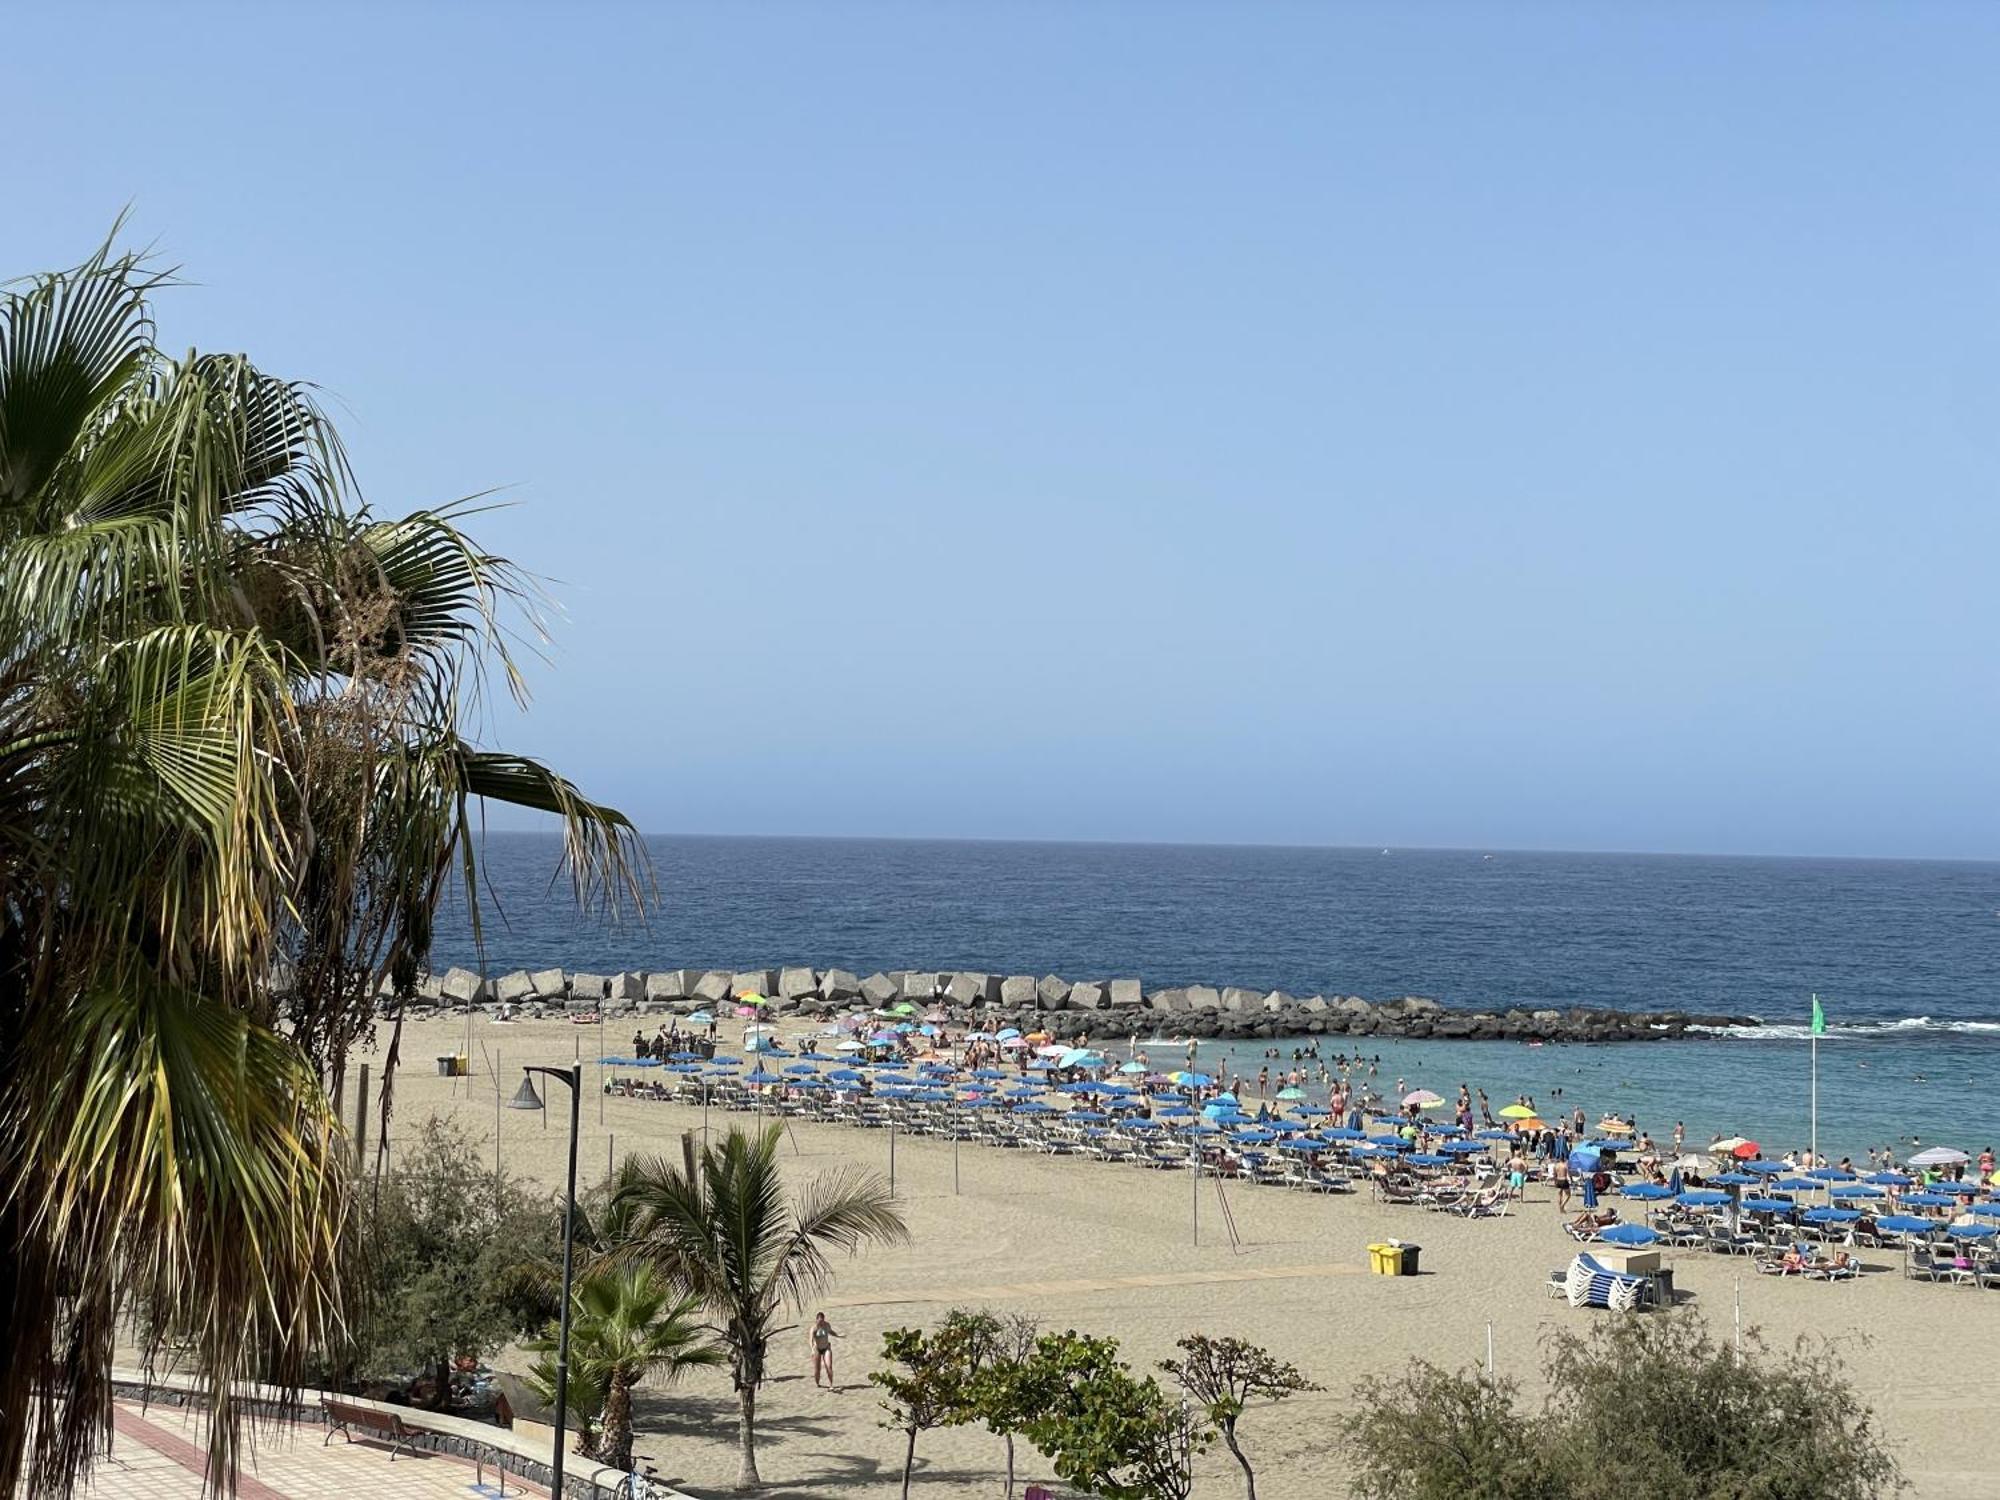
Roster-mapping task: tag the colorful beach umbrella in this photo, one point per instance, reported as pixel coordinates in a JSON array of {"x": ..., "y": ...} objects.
[
  {"x": 1421, "y": 1099},
  {"x": 1628, "y": 1234}
]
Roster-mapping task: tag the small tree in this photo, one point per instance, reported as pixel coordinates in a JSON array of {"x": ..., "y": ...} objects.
[
  {"x": 1107, "y": 1431},
  {"x": 1223, "y": 1375},
  {"x": 1637, "y": 1406},
  {"x": 931, "y": 1382},
  {"x": 1007, "y": 1384},
  {"x": 438, "y": 1247}
]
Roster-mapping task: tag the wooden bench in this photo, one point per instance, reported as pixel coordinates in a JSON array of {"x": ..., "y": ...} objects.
[{"x": 344, "y": 1417}]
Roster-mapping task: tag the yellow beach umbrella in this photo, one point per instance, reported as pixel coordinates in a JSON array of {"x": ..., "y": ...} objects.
[{"x": 1517, "y": 1112}]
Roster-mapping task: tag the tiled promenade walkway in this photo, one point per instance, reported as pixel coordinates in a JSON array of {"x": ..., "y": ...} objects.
[{"x": 159, "y": 1456}]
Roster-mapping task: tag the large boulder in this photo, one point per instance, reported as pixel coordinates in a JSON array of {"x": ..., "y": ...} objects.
[
  {"x": 797, "y": 984},
  {"x": 879, "y": 990},
  {"x": 1313, "y": 1005},
  {"x": 1051, "y": 991},
  {"x": 1126, "y": 994},
  {"x": 1354, "y": 1005},
  {"x": 713, "y": 986},
  {"x": 753, "y": 982},
  {"x": 463, "y": 987},
  {"x": 838, "y": 985},
  {"x": 1168, "y": 1000},
  {"x": 972, "y": 989},
  {"x": 1278, "y": 1000},
  {"x": 627, "y": 986},
  {"x": 514, "y": 989},
  {"x": 550, "y": 984},
  {"x": 1204, "y": 997},
  {"x": 1238, "y": 999},
  {"x": 588, "y": 987},
  {"x": 662, "y": 987},
  {"x": 1087, "y": 995},
  {"x": 917, "y": 986},
  {"x": 1018, "y": 991}
]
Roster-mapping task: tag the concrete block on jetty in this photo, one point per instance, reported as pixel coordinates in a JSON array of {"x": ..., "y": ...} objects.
[
  {"x": 464, "y": 987},
  {"x": 1314, "y": 1005},
  {"x": 588, "y": 987},
  {"x": 626, "y": 987},
  {"x": 878, "y": 989},
  {"x": 972, "y": 989},
  {"x": 1204, "y": 997},
  {"x": 1167, "y": 1000},
  {"x": 1236, "y": 999},
  {"x": 1052, "y": 992},
  {"x": 1126, "y": 994},
  {"x": 1018, "y": 992},
  {"x": 753, "y": 982},
  {"x": 1086, "y": 994},
  {"x": 665, "y": 985},
  {"x": 550, "y": 984},
  {"x": 916, "y": 986},
  {"x": 797, "y": 984},
  {"x": 1277, "y": 1001},
  {"x": 838, "y": 985},
  {"x": 713, "y": 986},
  {"x": 430, "y": 988},
  {"x": 516, "y": 988}
]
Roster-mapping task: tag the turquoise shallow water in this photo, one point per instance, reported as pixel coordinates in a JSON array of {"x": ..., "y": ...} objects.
[{"x": 1905, "y": 953}]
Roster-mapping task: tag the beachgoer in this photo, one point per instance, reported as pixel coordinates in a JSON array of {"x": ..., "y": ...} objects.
[
  {"x": 821, "y": 1340},
  {"x": 1561, "y": 1172}
]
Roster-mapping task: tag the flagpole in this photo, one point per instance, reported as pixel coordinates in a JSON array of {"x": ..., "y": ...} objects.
[{"x": 1815, "y": 1084}]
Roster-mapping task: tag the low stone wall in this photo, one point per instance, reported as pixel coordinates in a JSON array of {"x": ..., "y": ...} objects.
[{"x": 1063, "y": 1007}]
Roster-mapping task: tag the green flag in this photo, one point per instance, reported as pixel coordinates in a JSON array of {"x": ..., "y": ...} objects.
[{"x": 1819, "y": 1019}]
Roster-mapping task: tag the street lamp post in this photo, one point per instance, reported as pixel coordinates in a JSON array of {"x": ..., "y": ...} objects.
[{"x": 526, "y": 1098}]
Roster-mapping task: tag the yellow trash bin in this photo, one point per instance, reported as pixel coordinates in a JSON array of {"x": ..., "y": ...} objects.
[
  {"x": 1385, "y": 1260},
  {"x": 464, "y": 1065}
]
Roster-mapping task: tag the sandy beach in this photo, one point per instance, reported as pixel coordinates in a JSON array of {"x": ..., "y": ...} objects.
[{"x": 1110, "y": 1249}]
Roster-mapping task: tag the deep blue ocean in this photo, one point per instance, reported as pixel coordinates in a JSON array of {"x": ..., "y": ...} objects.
[{"x": 1904, "y": 954}]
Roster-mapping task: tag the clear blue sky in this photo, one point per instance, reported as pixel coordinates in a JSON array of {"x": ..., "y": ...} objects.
[{"x": 1526, "y": 425}]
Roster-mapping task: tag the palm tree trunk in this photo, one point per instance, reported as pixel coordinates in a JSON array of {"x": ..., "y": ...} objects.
[
  {"x": 615, "y": 1447},
  {"x": 747, "y": 1477}
]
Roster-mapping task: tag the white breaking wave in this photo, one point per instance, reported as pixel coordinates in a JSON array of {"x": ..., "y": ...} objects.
[{"x": 1907, "y": 1026}]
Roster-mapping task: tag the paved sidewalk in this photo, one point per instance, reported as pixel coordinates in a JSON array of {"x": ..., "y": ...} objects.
[{"x": 158, "y": 1455}]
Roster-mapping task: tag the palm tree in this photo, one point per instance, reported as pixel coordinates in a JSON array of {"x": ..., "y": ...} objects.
[
  {"x": 721, "y": 1225},
  {"x": 230, "y": 746},
  {"x": 630, "y": 1324}
]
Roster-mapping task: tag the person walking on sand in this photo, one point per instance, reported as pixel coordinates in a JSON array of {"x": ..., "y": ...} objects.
[{"x": 821, "y": 1339}]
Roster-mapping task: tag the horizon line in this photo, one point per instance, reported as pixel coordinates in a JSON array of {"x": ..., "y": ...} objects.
[{"x": 1387, "y": 849}]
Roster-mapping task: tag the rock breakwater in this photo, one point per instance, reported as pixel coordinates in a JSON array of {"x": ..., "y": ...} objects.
[{"x": 1064, "y": 1008}]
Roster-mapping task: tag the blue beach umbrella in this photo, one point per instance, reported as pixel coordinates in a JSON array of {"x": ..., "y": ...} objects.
[
  {"x": 1831, "y": 1174},
  {"x": 1132, "y": 1067},
  {"x": 1973, "y": 1231},
  {"x": 1175, "y": 1111},
  {"x": 1985, "y": 1210},
  {"x": 1089, "y": 1116},
  {"x": 1930, "y": 1200},
  {"x": 1769, "y": 1205},
  {"x": 1702, "y": 1198},
  {"x": 989, "y": 1074},
  {"x": 1649, "y": 1192},
  {"x": 1734, "y": 1179},
  {"x": 1428, "y": 1159},
  {"x": 802, "y": 1067},
  {"x": 1764, "y": 1168},
  {"x": 1628, "y": 1234},
  {"x": 1906, "y": 1224},
  {"x": 1344, "y": 1133},
  {"x": 1464, "y": 1148},
  {"x": 1889, "y": 1179},
  {"x": 1494, "y": 1135},
  {"x": 1796, "y": 1185},
  {"x": 1313, "y": 1111},
  {"x": 1256, "y": 1137},
  {"x": 1124, "y": 1104},
  {"x": 1857, "y": 1190},
  {"x": 1034, "y": 1107},
  {"x": 1025, "y": 1091},
  {"x": 685, "y": 1056},
  {"x": 1831, "y": 1215},
  {"x": 701, "y": 1018}
]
